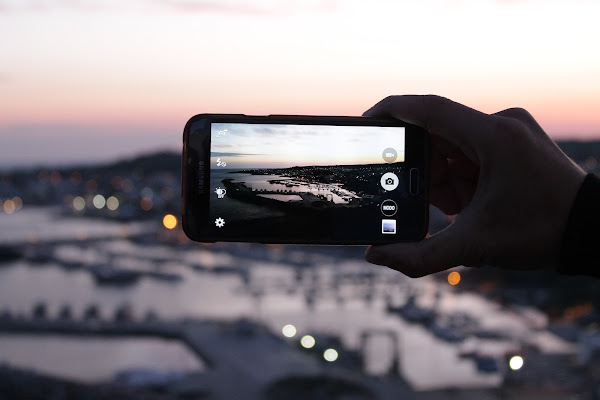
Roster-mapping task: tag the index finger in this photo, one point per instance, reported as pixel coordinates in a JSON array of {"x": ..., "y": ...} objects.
[{"x": 457, "y": 123}]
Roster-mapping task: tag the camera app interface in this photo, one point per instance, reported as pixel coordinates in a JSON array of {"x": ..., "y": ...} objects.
[{"x": 306, "y": 181}]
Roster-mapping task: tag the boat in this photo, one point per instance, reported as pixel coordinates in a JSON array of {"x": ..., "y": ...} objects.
[
  {"x": 10, "y": 253},
  {"x": 447, "y": 332},
  {"x": 412, "y": 313},
  {"x": 106, "y": 275}
]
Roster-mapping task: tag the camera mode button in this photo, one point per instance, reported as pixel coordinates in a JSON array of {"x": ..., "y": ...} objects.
[{"x": 389, "y": 207}]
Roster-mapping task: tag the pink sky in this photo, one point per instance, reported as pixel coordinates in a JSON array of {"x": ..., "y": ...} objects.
[{"x": 94, "y": 80}]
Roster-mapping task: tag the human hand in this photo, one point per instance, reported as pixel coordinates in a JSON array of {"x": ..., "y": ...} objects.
[{"x": 508, "y": 183}]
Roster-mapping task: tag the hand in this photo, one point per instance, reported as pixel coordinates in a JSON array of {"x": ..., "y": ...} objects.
[{"x": 508, "y": 183}]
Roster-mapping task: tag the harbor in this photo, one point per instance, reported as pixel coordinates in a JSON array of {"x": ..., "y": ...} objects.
[
  {"x": 387, "y": 325},
  {"x": 166, "y": 318}
]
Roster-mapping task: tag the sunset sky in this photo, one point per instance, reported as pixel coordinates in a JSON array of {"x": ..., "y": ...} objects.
[
  {"x": 91, "y": 80},
  {"x": 282, "y": 146}
]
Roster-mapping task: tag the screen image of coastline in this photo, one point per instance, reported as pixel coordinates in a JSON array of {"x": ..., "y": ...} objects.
[{"x": 303, "y": 182}]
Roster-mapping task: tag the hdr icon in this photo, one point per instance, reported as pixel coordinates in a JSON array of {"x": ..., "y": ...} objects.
[{"x": 389, "y": 207}]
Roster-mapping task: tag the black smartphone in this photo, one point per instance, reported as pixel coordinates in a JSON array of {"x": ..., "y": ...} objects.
[{"x": 304, "y": 179}]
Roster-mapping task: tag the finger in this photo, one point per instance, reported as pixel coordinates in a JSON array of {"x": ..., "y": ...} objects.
[
  {"x": 452, "y": 121},
  {"x": 443, "y": 250},
  {"x": 443, "y": 146},
  {"x": 463, "y": 168},
  {"x": 438, "y": 168},
  {"x": 445, "y": 197}
]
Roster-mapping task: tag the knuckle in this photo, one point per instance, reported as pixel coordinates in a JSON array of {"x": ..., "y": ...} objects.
[
  {"x": 474, "y": 255},
  {"x": 411, "y": 265},
  {"x": 433, "y": 101},
  {"x": 417, "y": 267},
  {"x": 510, "y": 129},
  {"x": 520, "y": 114},
  {"x": 413, "y": 274},
  {"x": 389, "y": 100}
]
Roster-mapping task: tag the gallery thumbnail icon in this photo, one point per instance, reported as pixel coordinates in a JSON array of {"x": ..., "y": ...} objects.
[{"x": 388, "y": 226}]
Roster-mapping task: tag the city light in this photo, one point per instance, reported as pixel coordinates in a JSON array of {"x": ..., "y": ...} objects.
[
  {"x": 55, "y": 178},
  {"x": 289, "y": 331},
  {"x": 169, "y": 221},
  {"x": 75, "y": 178},
  {"x": 515, "y": 363},
  {"x": 112, "y": 203},
  {"x": 453, "y": 278},
  {"x": 18, "y": 203},
  {"x": 78, "y": 203},
  {"x": 146, "y": 203},
  {"x": 9, "y": 206},
  {"x": 147, "y": 192},
  {"x": 307, "y": 341},
  {"x": 99, "y": 201},
  {"x": 330, "y": 355}
]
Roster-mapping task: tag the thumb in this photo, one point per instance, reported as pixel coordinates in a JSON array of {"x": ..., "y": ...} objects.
[{"x": 438, "y": 252}]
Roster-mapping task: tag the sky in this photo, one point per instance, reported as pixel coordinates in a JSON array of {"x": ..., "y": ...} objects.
[
  {"x": 282, "y": 146},
  {"x": 94, "y": 80}
]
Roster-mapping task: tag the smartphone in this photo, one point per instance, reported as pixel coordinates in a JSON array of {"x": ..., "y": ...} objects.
[{"x": 304, "y": 179}]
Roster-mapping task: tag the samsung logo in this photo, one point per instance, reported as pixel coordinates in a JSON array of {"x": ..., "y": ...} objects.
[{"x": 201, "y": 188}]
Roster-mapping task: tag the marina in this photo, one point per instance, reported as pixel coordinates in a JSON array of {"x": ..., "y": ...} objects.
[{"x": 323, "y": 290}]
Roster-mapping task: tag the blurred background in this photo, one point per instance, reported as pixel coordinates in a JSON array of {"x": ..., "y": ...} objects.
[{"x": 102, "y": 294}]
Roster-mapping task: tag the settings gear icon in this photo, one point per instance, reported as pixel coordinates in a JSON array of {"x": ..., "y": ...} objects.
[{"x": 219, "y": 222}]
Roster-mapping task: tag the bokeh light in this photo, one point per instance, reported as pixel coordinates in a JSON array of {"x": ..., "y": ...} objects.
[
  {"x": 9, "y": 206},
  {"x": 516, "y": 362},
  {"x": 146, "y": 203},
  {"x": 75, "y": 178},
  {"x": 17, "y": 202},
  {"x": 330, "y": 355},
  {"x": 169, "y": 221},
  {"x": 78, "y": 203},
  {"x": 453, "y": 278},
  {"x": 289, "y": 330},
  {"x": 99, "y": 201},
  {"x": 55, "y": 178},
  {"x": 307, "y": 341},
  {"x": 112, "y": 203},
  {"x": 147, "y": 192}
]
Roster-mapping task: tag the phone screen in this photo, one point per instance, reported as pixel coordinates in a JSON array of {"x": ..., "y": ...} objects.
[
  {"x": 304, "y": 179},
  {"x": 305, "y": 183}
]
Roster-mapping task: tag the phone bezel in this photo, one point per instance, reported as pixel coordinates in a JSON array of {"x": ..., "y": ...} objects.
[{"x": 196, "y": 150}]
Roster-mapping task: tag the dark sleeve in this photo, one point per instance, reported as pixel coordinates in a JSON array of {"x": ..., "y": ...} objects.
[{"x": 580, "y": 253}]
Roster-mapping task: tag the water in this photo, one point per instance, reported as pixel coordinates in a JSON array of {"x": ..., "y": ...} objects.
[
  {"x": 46, "y": 223},
  {"x": 284, "y": 184},
  {"x": 340, "y": 296},
  {"x": 282, "y": 197},
  {"x": 69, "y": 357},
  {"x": 235, "y": 209}
]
